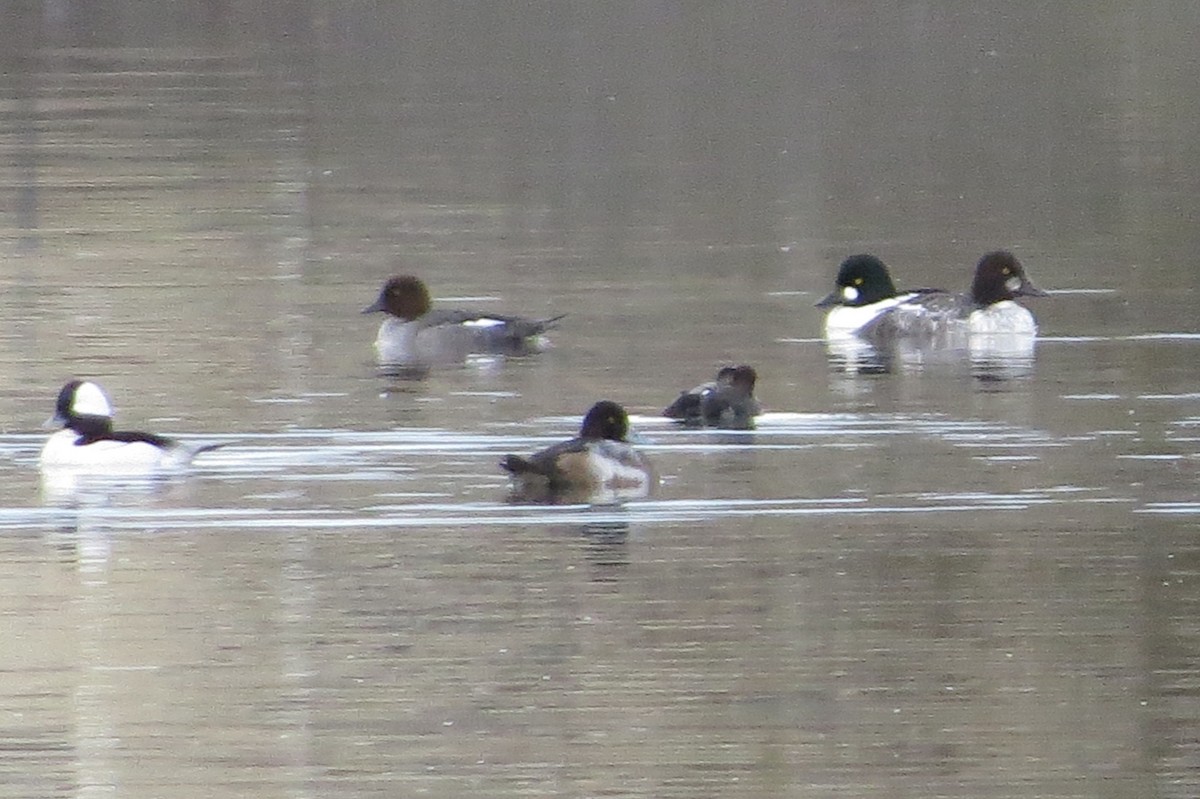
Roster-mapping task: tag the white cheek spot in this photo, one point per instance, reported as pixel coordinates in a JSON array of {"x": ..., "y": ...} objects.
[
  {"x": 484, "y": 322},
  {"x": 849, "y": 294},
  {"x": 90, "y": 401},
  {"x": 1013, "y": 283}
]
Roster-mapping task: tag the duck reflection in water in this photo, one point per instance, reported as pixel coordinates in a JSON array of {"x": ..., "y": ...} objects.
[
  {"x": 606, "y": 546},
  {"x": 995, "y": 357},
  {"x": 853, "y": 356},
  {"x": 1001, "y": 356},
  {"x": 599, "y": 466}
]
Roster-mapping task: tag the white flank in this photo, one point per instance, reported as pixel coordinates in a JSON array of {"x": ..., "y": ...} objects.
[
  {"x": 484, "y": 322},
  {"x": 610, "y": 473},
  {"x": 845, "y": 320},
  {"x": 110, "y": 457}
]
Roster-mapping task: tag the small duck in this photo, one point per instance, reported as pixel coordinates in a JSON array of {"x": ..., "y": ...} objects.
[
  {"x": 864, "y": 292},
  {"x": 414, "y": 333},
  {"x": 727, "y": 401},
  {"x": 88, "y": 442},
  {"x": 989, "y": 309},
  {"x": 597, "y": 462},
  {"x": 999, "y": 280}
]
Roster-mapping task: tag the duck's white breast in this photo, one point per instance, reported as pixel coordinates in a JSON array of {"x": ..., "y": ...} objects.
[
  {"x": 1002, "y": 318},
  {"x": 411, "y": 343}
]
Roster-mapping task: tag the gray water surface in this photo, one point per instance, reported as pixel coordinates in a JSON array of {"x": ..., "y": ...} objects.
[{"x": 937, "y": 576}]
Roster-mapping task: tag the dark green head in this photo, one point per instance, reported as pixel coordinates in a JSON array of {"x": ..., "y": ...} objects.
[
  {"x": 605, "y": 419},
  {"x": 861, "y": 280}
]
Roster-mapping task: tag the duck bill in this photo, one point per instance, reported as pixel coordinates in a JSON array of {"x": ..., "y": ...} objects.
[
  {"x": 54, "y": 422},
  {"x": 831, "y": 299},
  {"x": 375, "y": 307},
  {"x": 1027, "y": 289}
]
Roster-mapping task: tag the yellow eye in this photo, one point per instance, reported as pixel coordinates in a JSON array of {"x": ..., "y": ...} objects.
[
  {"x": 858, "y": 281},
  {"x": 1007, "y": 271}
]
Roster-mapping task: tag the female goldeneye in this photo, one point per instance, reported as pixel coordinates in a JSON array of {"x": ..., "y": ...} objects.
[
  {"x": 88, "y": 441},
  {"x": 599, "y": 461},
  {"x": 414, "y": 333},
  {"x": 989, "y": 309},
  {"x": 727, "y": 401},
  {"x": 864, "y": 292}
]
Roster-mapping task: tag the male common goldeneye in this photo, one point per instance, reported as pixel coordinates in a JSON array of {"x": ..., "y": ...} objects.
[
  {"x": 863, "y": 293},
  {"x": 990, "y": 309},
  {"x": 88, "y": 441},
  {"x": 727, "y": 401},
  {"x": 414, "y": 333},
  {"x": 597, "y": 461}
]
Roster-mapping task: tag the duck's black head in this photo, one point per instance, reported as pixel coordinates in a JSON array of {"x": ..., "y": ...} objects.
[
  {"x": 861, "y": 280},
  {"x": 605, "y": 419},
  {"x": 1000, "y": 276}
]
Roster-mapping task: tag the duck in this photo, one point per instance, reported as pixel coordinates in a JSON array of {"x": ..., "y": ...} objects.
[
  {"x": 999, "y": 280},
  {"x": 988, "y": 309},
  {"x": 727, "y": 401},
  {"x": 600, "y": 461},
  {"x": 862, "y": 294},
  {"x": 88, "y": 442},
  {"x": 415, "y": 333}
]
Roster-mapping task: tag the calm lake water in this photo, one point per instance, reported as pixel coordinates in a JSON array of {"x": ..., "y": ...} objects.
[{"x": 953, "y": 578}]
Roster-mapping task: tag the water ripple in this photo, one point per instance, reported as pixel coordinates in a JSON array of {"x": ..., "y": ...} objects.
[{"x": 459, "y": 514}]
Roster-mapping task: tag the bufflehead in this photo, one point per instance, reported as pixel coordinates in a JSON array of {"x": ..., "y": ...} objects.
[
  {"x": 88, "y": 441},
  {"x": 989, "y": 309},
  {"x": 414, "y": 333},
  {"x": 599, "y": 461},
  {"x": 727, "y": 401},
  {"x": 863, "y": 293}
]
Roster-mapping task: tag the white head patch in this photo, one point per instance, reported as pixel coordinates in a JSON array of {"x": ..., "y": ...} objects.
[
  {"x": 1013, "y": 283},
  {"x": 849, "y": 294},
  {"x": 90, "y": 401}
]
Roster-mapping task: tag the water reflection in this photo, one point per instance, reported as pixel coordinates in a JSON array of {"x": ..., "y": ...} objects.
[
  {"x": 1002, "y": 356},
  {"x": 68, "y": 487},
  {"x": 541, "y": 494},
  {"x": 606, "y": 549},
  {"x": 400, "y": 376},
  {"x": 851, "y": 355},
  {"x": 996, "y": 357}
]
